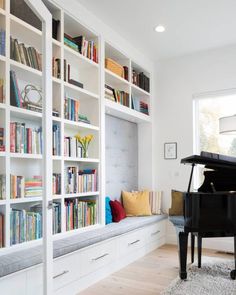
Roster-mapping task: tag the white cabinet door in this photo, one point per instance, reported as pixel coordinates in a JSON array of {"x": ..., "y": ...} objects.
[{"x": 14, "y": 284}]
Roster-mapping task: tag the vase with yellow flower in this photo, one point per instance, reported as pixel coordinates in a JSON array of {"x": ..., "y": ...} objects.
[{"x": 84, "y": 141}]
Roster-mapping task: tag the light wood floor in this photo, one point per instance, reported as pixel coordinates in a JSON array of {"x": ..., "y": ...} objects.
[{"x": 146, "y": 276}]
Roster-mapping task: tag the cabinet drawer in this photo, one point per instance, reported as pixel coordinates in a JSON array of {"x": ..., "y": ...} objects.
[
  {"x": 66, "y": 269},
  {"x": 130, "y": 242},
  {"x": 98, "y": 256},
  {"x": 156, "y": 231}
]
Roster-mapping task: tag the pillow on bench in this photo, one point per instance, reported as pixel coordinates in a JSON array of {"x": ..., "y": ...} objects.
[
  {"x": 177, "y": 203},
  {"x": 136, "y": 203}
]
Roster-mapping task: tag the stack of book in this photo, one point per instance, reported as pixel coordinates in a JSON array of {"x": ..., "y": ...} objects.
[
  {"x": 72, "y": 147},
  {"x": 33, "y": 187},
  {"x": 56, "y": 140},
  {"x": 1, "y": 230},
  {"x": 80, "y": 181},
  {"x": 155, "y": 202},
  {"x": 83, "y": 46},
  {"x": 2, "y": 42},
  {"x": 71, "y": 109},
  {"x": 56, "y": 183},
  {"x": 56, "y": 67},
  {"x": 2, "y": 187},
  {"x": 2, "y": 145},
  {"x": 141, "y": 80},
  {"x": 2, "y": 95},
  {"x": 140, "y": 106},
  {"x": 80, "y": 213},
  {"x": 28, "y": 56},
  {"x": 25, "y": 140},
  {"x": 118, "y": 96},
  {"x": 25, "y": 225},
  {"x": 67, "y": 77},
  {"x": 25, "y": 187},
  {"x": 56, "y": 218},
  {"x": 144, "y": 108}
]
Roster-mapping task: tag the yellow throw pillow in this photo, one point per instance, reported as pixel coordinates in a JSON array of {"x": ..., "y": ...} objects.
[
  {"x": 136, "y": 203},
  {"x": 177, "y": 203}
]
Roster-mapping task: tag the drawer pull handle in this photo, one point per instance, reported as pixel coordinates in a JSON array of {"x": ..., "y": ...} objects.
[
  {"x": 61, "y": 274},
  {"x": 100, "y": 257},
  {"x": 134, "y": 242},
  {"x": 155, "y": 233}
]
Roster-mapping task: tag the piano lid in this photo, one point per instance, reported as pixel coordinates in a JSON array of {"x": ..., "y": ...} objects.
[{"x": 211, "y": 160}]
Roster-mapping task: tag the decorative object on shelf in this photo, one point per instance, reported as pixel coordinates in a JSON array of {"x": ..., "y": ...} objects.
[
  {"x": 29, "y": 88},
  {"x": 170, "y": 150},
  {"x": 84, "y": 141}
]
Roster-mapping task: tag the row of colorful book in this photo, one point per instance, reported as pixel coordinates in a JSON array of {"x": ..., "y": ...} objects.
[
  {"x": 72, "y": 147},
  {"x": 56, "y": 218},
  {"x": 118, "y": 96},
  {"x": 141, "y": 80},
  {"x": 2, "y": 187},
  {"x": 80, "y": 181},
  {"x": 2, "y": 42},
  {"x": 71, "y": 109},
  {"x": 2, "y": 90},
  {"x": 83, "y": 46},
  {"x": 2, "y": 231},
  {"x": 25, "y": 140},
  {"x": 26, "y": 55},
  {"x": 80, "y": 213},
  {"x": 2, "y": 140},
  {"x": 24, "y": 187},
  {"x": 56, "y": 140},
  {"x": 26, "y": 225},
  {"x": 140, "y": 106},
  {"x": 56, "y": 183},
  {"x": 56, "y": 67}
]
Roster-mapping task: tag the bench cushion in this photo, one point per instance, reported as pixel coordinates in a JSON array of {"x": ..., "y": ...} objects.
[
  {"x": 23, "y": 259},
  {"x": 177, "y": 220}
]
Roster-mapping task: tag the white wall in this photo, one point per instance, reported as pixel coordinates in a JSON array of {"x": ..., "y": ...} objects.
[{"x": 177, "y": 81}]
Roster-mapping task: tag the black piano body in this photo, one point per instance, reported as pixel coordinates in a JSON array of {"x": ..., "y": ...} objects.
[{"x": 210, "y": 212}]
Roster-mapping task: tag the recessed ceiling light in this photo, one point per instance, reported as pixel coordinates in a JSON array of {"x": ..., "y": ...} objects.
[{"x": 160, "y": 29}]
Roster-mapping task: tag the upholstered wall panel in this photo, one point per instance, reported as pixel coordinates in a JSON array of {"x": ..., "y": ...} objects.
[{"x": 121, "y": 156}]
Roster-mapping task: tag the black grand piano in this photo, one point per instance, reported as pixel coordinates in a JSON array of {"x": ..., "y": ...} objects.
[{"x": 211, "y": 211}]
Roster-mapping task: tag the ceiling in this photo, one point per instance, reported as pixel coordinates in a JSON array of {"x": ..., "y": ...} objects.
[{"x": 191, "y": 25}]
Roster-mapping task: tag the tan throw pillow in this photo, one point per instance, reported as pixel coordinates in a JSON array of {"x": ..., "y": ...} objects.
[
  {"x": 177, "y": 203},
  {"x": 136, "y": 203}
]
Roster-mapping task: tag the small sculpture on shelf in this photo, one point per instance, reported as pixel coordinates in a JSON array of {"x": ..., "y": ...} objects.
[{"x": 84, "y": 141}]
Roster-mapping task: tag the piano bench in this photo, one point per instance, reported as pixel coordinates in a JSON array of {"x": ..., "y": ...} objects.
[{"x": 178, "y": 222}]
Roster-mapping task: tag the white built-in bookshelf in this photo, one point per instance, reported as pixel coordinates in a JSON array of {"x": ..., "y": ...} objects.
[{"x": 92, "y": 104}]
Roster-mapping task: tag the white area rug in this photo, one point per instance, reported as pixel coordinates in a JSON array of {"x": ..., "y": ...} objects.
[{"x": 212, "y": 279}]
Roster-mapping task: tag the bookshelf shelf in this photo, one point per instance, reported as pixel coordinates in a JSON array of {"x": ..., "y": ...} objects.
[
  {"x": 80, "y": 125},
  {"x": 2, "y": 154},
  {"x": 2, "y": 11},
  {"x": 84, "y": 94},
  {"x": 25, "y": 200},
  {"x": 26, "y": 156},
  {"x": 123, "y": 112},
  {"x": 25, "y": 70},
  {"x": 3, "y": 202},
  {"x": 56, "y": 158},
  {"x": 2, "y": 58},
  {"x": 56, "y": 42},
  {"x": 137, "y": 91},
  {"x": 2, "y": 106},
  {"x": 56, "y": 119},
  {"x": 20, "y": 23},
  {"x": 56, "y": 80},
  {"x": 84, "y": 160},
  {"x": 81, "y": 195},
  {"x": 24, "y": 113},
  {"x": 85, "y": 62},
  {"x": 115, "y": 80},
  {"x": 57, "y": 197}
]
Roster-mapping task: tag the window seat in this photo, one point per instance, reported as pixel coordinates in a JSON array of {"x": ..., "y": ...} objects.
[{"x": 22, "y": 259}]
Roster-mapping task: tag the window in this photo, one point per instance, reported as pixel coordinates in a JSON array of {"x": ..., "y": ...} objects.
[{"x": 208, "y": 110}]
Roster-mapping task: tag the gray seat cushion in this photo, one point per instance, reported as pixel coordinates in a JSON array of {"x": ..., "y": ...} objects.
[
  {"x": 177, "y": 220},
  {"x": 23, "y": 259}
]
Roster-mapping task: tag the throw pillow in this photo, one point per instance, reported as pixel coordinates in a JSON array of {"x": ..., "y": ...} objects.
[
  {"x": 118, "y": 212},
  {"x": 108, "y": 211},
  {"x": 136, "y": 203},
  {"x": 177, "y": 203}
]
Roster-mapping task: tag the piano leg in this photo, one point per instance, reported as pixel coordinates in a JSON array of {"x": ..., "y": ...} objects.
[
  {"x": 199, "y": 242},
  {"x": 192, "y": 247},
  {"x": 233, "y": 272},
  {"x": 183, "y": 248}
]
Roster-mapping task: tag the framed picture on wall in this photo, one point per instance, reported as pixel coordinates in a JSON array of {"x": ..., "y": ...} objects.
[{"x": 170, "y": 150}]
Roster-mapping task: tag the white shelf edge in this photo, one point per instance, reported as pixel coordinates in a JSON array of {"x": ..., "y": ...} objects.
[
  {"x": 2, "y": 11},
  {"x": 2, "y": 58},
  {"x": 56, "y": 42},
  {"x": 81, "y": 195},
  {"x": 2, "y": 154},
  {"x": 57, "y": 158},
  {"x": 118, "y": 78},
  {"x": 25, "y": 25},
  {"x": 25, "y": 200},
  {"x": 2, "y": 106},
  {"x": 25, "y": 112},
  {"x": 81, "y": 90},
  {"x": 83, "y": 160},
  {"x": 26, "y": 156},
  {"x": 140, "y": 89},
  {"x": 25, "y": 68},
  {"x": 80, "y": 125},
  {"x": 80, "y": 56}
]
